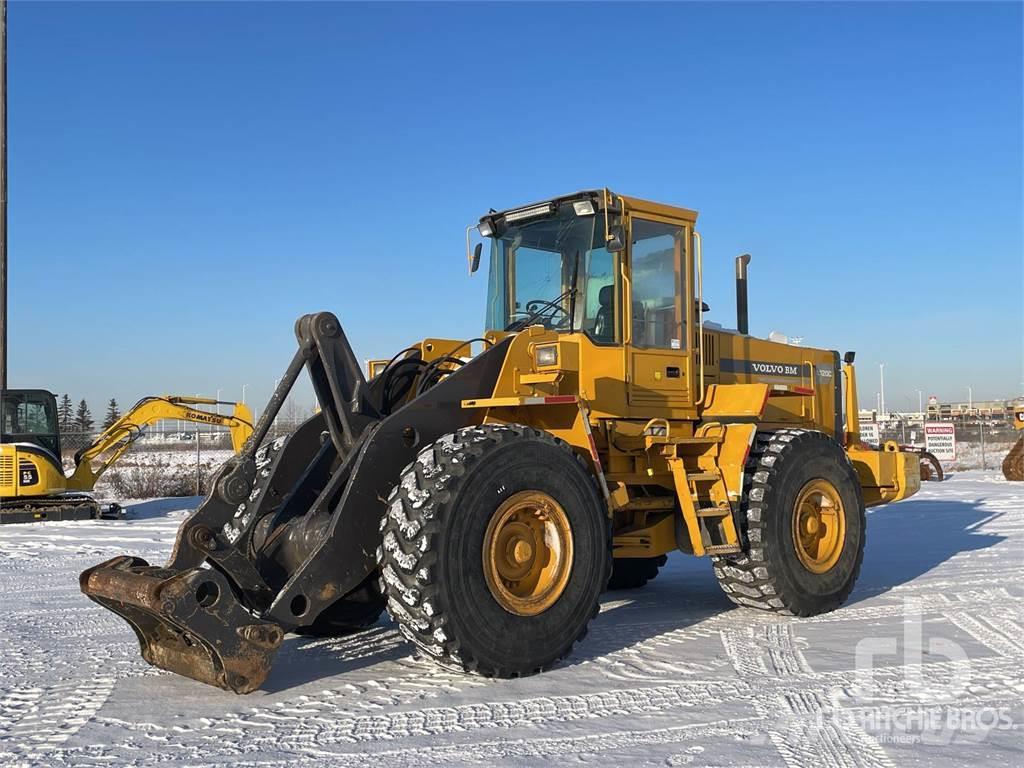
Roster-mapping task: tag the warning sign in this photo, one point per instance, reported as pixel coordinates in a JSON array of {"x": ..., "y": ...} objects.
[
  {"x": 940, "y": 439},
  {"x": 869, "y": 432}
]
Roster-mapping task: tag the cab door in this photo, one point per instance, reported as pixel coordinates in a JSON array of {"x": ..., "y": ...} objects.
[{"x": 660, "y": 311}]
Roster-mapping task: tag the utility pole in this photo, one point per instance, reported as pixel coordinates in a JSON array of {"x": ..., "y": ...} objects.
[
  {"x": 3, "y": 194},
  {"x": 920, "y": 406},
  {"x": 881, "y": 392}
]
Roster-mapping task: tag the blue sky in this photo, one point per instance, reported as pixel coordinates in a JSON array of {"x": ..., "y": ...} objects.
[{"x": 186, "y": 179}]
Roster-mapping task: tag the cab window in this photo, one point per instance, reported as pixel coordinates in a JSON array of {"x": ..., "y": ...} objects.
[
  {"x": 29, "y": 417},
  {"x": 658, "y": 274},
  {"x": 600, "y": 273}
]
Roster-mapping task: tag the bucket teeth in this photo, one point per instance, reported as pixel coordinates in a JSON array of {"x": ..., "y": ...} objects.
[{"x": 188, "y": 622}]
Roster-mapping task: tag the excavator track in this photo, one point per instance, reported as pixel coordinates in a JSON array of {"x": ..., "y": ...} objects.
[
  {"x": 57, "y": 508},
  {"x": 1013, "y": 464}
]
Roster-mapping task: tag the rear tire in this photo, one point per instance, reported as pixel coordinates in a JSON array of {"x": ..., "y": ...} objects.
[
  {"x": 634, "y": 572},
  {"x": 449, "y": 515},
  {"x": 779, "y": 573}
]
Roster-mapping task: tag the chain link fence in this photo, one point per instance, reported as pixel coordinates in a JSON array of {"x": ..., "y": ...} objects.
[
  {"x": 168, "y": 462},
  {"x": 980, "y": 444}
]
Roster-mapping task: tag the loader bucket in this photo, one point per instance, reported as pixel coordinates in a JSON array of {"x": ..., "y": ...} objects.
[
  {"x": 187, "y": 622},
  {"x": 289, "y": 534}
]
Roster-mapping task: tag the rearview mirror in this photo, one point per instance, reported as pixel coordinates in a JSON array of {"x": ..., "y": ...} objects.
[
  {"x": 616, "y": 239},
  {"x": 474, "y": 263}
]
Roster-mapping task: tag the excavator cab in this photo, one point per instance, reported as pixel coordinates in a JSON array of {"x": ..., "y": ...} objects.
[{"x": 30, "y": 416}]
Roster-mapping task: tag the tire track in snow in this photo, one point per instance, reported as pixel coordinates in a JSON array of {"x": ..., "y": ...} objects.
[
  {"x": 46, "y": 718},
  {"x": 551, "y": 748},
  {"x": 810, "y": 735},
  {"x": 1001, "y": 634}
]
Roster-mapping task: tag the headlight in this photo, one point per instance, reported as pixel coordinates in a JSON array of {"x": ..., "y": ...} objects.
[
  {"x": 485, "y": 229},
  {"x": 583, "y": 208},
  {"x": 546, "y": 356},
  {"x": 544, "y": 209}
]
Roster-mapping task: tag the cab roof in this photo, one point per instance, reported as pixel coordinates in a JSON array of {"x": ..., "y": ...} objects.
[{"x": 617, "y": 200}]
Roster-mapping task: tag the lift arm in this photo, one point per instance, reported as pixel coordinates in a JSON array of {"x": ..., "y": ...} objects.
[{"x": 118, "y": 438}]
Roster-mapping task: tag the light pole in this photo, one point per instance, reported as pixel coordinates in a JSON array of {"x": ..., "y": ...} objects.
[
  {"x": 881, "y": 387},
  {"x": 920, "y": 405},
  {"x": 3, "y": 194},
  {"x": 970, "y": 399},
  {"x": 243, "y": 393}
]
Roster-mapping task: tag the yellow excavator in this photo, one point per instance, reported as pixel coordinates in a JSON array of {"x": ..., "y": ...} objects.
[
  {"x": 33, "y": 485},
  {"x": 1013, "y": 464}
]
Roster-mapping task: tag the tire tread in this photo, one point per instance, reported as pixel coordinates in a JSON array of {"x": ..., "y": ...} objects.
[{"x": 415, "y": 516}]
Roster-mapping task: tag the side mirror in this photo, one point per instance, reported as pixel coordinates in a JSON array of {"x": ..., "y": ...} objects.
[
  {"x": 616, "y": 239},
  {"x": 474, "y": 263}
]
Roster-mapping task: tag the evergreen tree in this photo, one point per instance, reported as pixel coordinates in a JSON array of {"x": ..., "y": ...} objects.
[
  {"x": 83, "y": 419},
  {"x": 65, "y": 414},
  {"x": 113, "y": 414}
]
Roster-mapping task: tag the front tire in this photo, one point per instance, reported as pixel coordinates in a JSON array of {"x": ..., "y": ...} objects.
[
  {"x": 495, "y": 549},
  {"x": 805, "y": 526}
]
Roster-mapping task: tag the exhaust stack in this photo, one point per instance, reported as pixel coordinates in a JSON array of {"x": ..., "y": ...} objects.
[{"x": 742, "y": 321}]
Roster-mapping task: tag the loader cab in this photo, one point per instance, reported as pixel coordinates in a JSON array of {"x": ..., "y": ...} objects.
[
  {"x": 549, "y": 266},
  {"x": 618, "y": 270},
  {"x": 30, "y": 416}
]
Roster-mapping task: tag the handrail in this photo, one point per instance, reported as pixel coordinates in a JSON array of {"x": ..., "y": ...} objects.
[
  {"x": 813, "y": 388},
  {"x": 700, "y": 314}
]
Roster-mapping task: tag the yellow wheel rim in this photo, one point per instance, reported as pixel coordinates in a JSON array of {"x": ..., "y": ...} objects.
[
  {"x": 819, "y": 526},
  {"x": 527, "y": 553}
]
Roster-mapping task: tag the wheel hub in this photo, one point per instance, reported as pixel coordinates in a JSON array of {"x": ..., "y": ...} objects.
[
  {"x": 527, "y": 553},
  {"x": 819, "y": 526}
]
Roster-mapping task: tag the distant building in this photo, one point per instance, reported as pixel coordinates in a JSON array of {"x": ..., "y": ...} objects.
[{"x": 986, "y": 409}]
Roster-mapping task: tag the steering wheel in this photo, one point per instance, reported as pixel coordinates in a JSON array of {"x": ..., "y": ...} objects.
[{"x": 536, "y": 307}]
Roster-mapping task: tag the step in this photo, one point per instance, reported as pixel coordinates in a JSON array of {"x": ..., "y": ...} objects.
[
  {"x": 723, "y": 549},
  {"x": 649, "y": 504},
  {"x": 713, "y": 512},
  {"x": 702, "y": 476}
]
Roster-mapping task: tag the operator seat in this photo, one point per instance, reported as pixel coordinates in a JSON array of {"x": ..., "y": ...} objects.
[{"x": 604, "y": 325}]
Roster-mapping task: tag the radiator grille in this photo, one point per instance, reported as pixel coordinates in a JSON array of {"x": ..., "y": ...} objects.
[
  {"x": 710, "y": 349},
  {"x": 6, "y": 470}
]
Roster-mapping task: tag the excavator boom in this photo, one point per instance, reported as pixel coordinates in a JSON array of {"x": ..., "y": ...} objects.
[{"x": 106, "y": 449}]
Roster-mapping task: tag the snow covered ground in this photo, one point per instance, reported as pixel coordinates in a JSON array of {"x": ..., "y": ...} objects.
[{"x": 924, "y": 666}]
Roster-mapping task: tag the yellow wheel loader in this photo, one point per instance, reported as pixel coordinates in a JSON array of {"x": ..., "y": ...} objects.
[
  {"x": 33, "y": 485},
  {"x": 488, "y": 499},
  {"x": 1013, "y": 464}
]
